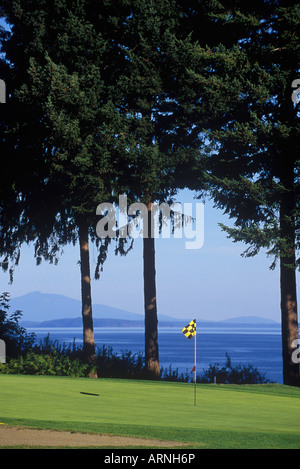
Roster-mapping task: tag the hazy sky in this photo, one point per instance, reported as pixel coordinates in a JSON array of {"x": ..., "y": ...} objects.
[{"x": 213, "y": 282}]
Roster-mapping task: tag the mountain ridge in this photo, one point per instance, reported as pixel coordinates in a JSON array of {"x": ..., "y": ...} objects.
[
  {"x": 44, "y": 308},
  {"x": 39, "y": 307}
]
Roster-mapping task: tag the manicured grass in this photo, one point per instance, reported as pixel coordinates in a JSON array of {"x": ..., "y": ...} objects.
[{"x": 256, "y": 416}]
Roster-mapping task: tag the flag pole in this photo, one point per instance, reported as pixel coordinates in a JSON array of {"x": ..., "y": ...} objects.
[
  {"x": 195, "y": 370},
  {"x": 190, "y": 331}
]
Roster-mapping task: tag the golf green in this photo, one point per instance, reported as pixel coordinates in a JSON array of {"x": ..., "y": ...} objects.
[{"x": 256, "y": 416}]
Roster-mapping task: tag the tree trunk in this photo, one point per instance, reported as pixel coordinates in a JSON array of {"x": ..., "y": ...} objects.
[
  {"x": 86, "y": 299},
  {"x": 289, "y": 315},
  {"x": 151, "y": 334},
  {"x": 288, "y": 211}
]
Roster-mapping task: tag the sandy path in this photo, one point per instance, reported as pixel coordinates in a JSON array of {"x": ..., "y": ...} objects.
[{"x": 11, "y": 435}]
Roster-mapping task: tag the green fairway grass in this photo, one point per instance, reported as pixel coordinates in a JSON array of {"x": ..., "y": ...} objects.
[{"x": 226, "y": 416}]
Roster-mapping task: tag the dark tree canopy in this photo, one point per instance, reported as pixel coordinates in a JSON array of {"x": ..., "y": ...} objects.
[
  {"x": 141, "y": 97},
  {"x": 245, "y": 84}
]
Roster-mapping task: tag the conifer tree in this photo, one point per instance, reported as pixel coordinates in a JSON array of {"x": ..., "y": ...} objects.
[
  {"x": 243, "y": 81},
  {"x": 60, "y": 128},
  {"x": 160, "y": 141},
  {"x": 97, "y": 82}
]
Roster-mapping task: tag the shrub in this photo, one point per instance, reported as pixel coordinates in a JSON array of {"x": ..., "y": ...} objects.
[
  {"x": 38, "y": 364},
  {"x": 124, "y": 365},
  {"x": 16, "y": 339},
  {"x": 229, "y": 374},
  {"x": 48, "y": 346},
  {"x": 168, "y": 374}
]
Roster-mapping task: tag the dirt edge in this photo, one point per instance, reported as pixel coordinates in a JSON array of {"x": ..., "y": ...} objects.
[{"x": 24, "y": 436}]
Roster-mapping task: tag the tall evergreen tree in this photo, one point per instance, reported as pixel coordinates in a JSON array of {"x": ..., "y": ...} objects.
[
  {"x": 159, "y": 136},
  {"x": 21, "y": 147},
  {"x": 104, "y": 83},
  {"x": 243, "y": 80},
  {"x": 62, "y": 80}
]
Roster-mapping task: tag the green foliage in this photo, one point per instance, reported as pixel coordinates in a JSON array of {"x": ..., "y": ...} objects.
[
  {"x": 244, "y": 81},
  {"x": 168, "y": 374},
  {"x": 16, "y": 339},
  {"x": 125, "y": 365},
  {"x": 41, "y": 364},
  {"x": 230, "y": 374}
]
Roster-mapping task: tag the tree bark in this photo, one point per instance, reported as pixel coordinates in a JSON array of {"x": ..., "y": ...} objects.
[
  {"x": 288, "y": 290},
  {"x": 151, "y": 333},
  {"x": 288, "y": 211},
  {"x": 86, "y": 298}
]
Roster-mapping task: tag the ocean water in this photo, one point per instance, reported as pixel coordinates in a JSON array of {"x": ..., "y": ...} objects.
[{"x": 260, "y": 347}]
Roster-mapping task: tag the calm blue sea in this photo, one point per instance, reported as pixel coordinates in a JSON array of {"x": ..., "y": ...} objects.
[{"x": 260, "y": 347}]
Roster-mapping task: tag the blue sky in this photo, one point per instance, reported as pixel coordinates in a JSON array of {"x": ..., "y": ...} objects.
[{"x": 213, "y": 282}]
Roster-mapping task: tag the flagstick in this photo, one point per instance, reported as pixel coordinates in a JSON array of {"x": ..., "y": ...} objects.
[
  {"x": 190, "y": 331},
  {"x": 195, "y": 372}
]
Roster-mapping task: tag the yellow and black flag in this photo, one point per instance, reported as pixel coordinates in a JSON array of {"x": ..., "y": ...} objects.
[{"x": 190, "y": 330}]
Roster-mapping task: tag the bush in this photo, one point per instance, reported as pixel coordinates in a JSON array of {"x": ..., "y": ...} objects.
[
  {"x": 37, "y": 364},
  {"x": 126, "y": 365},
  {"x": 48, "y": 357},
  {"x": 48, "y": 346},
  {"x": 16, "y": 339},
  {"x": 229, "y": 374},
  {"x": 168, "y": 374}
]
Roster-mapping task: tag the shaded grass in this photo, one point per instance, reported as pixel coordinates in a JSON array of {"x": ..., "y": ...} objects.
[{"x": 226, "y": 416}]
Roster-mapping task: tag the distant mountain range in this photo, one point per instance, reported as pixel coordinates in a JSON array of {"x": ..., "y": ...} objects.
[
  {"x": 40, "y": 307},
  {"x": 51, "y": 310}
]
